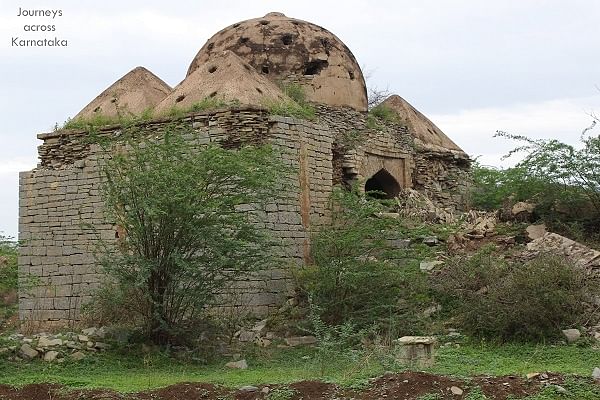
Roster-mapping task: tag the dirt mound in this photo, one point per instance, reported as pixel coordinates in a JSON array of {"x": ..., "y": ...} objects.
[
  {"x": 226, "y": 77},
  {"x": 427, "y": 135},
  {"x": 406, "y": 385},
  {"x": 136, "y": 92}
]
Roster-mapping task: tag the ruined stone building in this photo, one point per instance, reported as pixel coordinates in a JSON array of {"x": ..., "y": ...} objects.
[{"x": 247, "y": 64}]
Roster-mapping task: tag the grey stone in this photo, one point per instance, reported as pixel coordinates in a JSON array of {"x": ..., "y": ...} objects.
[
  {"x": 300, "y": 340},
  {"x": 456, "y": 391},
  {"x": 51, "y": 356},
  {"x": 47, "y": 342},
  {"x": 431, "y": 240},
  {"x": 427, "y": 266},
  {"x": 572, "y": 335},
  {"x": 78, "y": 356},
  {"x": 260, "y": 326},
  {"x": 28, "y": 352},
  {"x": 248, "y": 388},
  {"x": 596, "y": 374},
  {"x": 241, "y": 364}
]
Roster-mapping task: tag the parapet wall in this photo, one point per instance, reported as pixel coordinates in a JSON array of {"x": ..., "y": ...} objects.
[{"x": 60, "y": 200}]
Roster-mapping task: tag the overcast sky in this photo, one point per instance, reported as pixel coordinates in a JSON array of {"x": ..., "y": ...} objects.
[{"x": 473, "y": 67}]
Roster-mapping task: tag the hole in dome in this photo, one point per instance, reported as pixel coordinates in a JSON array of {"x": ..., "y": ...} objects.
[
  {"x": 97, "y": 109},
  {"x": 213, "y": 94},
  {"x": 259, "y": 91},
  {"x": 113, "y": 101},
  {"x": 265, "y": 69},
  {"x": 315, "y": 67},
  {"x": 244, "y": 40},
  {"x": 382, "y": 185},
  {"x": 180, "y": 98},
  {"x": 264, "y": 22},
  {"x": 248, "y": 68},
  {"x": 212, "y": 69},
  {"x": 351, "y": 74},
  {"x": 236, "y": 25},
  {"x": 295, "y": 23},
  {"x": 210, "y": 46},
  {"x": 287, "y": 38}
]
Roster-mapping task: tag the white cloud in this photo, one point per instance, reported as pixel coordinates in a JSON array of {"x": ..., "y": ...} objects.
[{"x": 473, "y": 130}]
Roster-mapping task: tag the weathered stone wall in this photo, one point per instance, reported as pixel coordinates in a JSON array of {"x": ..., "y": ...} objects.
[
  {"x": 60, "y": 200},
  {"x": 444, "y": 178}
]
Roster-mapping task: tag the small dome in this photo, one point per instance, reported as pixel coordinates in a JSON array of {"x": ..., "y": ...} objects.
[
  {"x": 427, "y": 135},
  {"x": 225, "y": 77},
  {"x": 134, "y": 93},
  {"x": 291, "y": 50}
]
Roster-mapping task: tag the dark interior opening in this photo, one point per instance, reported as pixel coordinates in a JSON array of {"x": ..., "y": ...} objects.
[
  {"x": 180, "y": 98},
  {"x": 383, "y": 185},
  {"x": 265, "y": 69},
  {"x": 314, "y": 67},
  {"x": 287, "y": 39}
]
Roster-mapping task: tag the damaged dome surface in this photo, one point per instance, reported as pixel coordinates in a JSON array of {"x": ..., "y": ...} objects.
[{"x": 290, "y": 50}]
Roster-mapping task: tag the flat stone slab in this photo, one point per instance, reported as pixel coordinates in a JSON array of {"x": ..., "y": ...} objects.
[{"x": 409, "y": 340}]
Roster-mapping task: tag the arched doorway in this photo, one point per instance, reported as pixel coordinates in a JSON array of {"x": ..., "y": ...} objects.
[{"x": 384, "y": 183}]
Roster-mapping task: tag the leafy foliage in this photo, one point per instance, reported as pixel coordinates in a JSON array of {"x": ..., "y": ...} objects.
[
  {"x": 8, "y": 277},
  {"x": 357, "y": 275},
  {"x": 562, "y": 180},
  {"x": 188, "y": 222},
  {"x": 505, "y": 301}
]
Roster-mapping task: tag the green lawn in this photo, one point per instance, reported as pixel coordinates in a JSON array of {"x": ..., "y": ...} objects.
[{"x": 128, "y": 372}]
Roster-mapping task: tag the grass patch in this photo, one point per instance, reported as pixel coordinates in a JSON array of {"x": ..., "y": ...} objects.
[
  {"x": 291, "y": 109},
  {"x": 132, "y": 371},
  {"x": 208, "y": 103},
  {"x": 298, "y": 107}
]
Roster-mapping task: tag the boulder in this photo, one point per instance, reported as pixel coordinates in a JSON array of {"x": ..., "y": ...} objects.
[
  {"x": 572, "y": 335},
  {"x": 78, "y": 356},
  {"x": 577, "y": 253},
  {"x": 596, "y": 374},
  {"x": 241, "y": 364},
  {"x": 28, "y": 352},
  {"x": 536, "y": 231},
  {"x": 44, "y": 341},
  {"x": 522, "y": 211},
  {"x": 427, "y": 266},
  {"x": 51, "y": 356},
  {"x": 456, "y": 391}
]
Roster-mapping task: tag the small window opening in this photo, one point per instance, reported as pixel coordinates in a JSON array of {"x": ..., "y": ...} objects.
[{"x": 315, "y": 67}]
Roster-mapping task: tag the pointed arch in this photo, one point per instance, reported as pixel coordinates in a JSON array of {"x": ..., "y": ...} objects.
[{"x": 382, "y": 181}]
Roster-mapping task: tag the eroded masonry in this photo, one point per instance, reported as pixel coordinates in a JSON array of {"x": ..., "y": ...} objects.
[{"x": 246, "y": 63}]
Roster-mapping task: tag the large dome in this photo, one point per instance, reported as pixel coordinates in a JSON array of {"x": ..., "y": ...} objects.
[{"x": 291, "y": 50}]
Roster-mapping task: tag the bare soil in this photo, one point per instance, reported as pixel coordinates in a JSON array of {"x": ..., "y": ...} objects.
[{"x": 406, "y": 385}]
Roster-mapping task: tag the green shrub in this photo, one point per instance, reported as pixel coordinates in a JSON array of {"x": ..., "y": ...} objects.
[
  {"x": 498, "y": 300},
  {"x": 8, "y": 277},
  {"x": 357, "y": 276},
  {"x": 185, "y": 237},
  {"x": 298, "y": 107}
]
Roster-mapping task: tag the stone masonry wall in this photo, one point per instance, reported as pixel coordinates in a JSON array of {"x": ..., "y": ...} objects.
[
  {"x": 444, "y": 178},
  {"x": 60, "y": 199}
]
